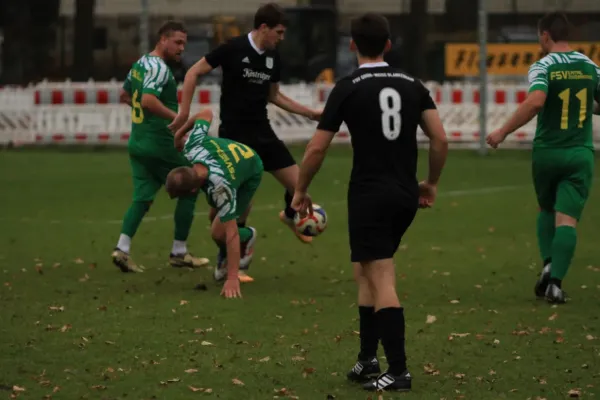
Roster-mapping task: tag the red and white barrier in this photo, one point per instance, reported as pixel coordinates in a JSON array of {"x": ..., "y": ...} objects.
[{"x": 90, "y": 113}]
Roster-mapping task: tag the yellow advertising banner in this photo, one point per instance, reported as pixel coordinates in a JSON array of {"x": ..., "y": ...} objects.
[{"x": 462, "y": 59}]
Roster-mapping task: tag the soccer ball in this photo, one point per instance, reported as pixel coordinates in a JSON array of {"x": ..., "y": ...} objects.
[{"x": 311, "y": 225}]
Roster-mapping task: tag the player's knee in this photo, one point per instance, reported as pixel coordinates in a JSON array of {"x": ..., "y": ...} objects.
[{"x": 563, "y": 219}]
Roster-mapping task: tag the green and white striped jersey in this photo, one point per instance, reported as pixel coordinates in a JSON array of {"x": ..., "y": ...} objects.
[
  {"x": 150, "y": 74},
  {"x": 230, "y": 164},
  {"x": 571, "y": 82}
]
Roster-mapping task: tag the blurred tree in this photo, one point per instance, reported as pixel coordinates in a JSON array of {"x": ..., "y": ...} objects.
[
  {"x": 415, "y": 39},
  {"x": 83, "y": 40}
]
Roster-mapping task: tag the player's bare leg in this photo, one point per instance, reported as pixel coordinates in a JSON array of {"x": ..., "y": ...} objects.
[
  {"x": 389, "y": 316},
  {"x": 367, "y": 365},
  {"x": 247, "y": 239},
  {"x": 288, "y": 178},
  {"x": 563, "y": 249}
]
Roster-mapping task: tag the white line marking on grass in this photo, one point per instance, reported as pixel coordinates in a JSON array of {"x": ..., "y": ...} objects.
[{"x": 266, "y": 207}]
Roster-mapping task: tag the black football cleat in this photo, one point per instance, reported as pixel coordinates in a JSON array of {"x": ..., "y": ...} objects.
[
  {"x": 364, "y": 370},
  {"x": 542, "y": 283},
  {"x": 555, "y": 295},
  {"x": 387, "y": 382}
]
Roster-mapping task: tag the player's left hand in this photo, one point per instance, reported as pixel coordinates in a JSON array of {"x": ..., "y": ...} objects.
[
  {"x": 495, "y": 138},
  {"x": 178, "y": 122},
  {"x": 302, "y": 203},
  {"x": 231, "y": 289},
  {"x": 179, "y": 143}
]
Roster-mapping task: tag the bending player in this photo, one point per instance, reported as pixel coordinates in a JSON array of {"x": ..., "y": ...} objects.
[
  {"x": 382, "y": 108},
  {"x": 251, "y": 72},
  {"x": 229, "y": 173},
  {"x": 563, "y": 86},
  {"x": 151, "y": 91}
]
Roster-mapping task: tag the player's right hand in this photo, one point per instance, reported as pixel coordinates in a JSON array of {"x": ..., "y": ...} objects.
[
  {"x": 178, "y": 122},
  {"x": 302, "y": 204},
  {"x": 427, "y": 194},
  {"x": 231, "y": 288}
]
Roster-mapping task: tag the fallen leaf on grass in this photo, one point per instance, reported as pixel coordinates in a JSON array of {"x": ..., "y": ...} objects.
[
  {"x": 496, "y": 341},
  {"x": 65, "y": 328},
  {"x": 206, "y": 343},
  {"x": 195, "y": 389},
  {"x": 183, "y": 302},
  {"x": 590, "y": 337},
  {"x": 298, "y": 358},
  {"x": 337, "y": 339},
  {"x": 54, "y": 308},
  {"x": 544, "y": 330},
  {"x": 109, "y": 342},
  {"x": 99, "y": 387},
  {"x": 430, "y": 369},
  {"x": 454, "y": 301},
  {"x": 460, "y": 335},
  {"x": 38, "y": 268},
  {"x": 431, "y": 319},
  {"x": 459, "y": 376},
  {"x": 236, "y": 381},
  {"x": 16, "y": 388},
  {"x": 520, "y": 333},
  {"x": 553, "y": 317},
  {"x": 559, "y": 339},
  {"x": 279, "y": 317},
  {"x": 173, "y": 380},
  {"x": 307, "y": 371},
  {"x": 102, "y": 308},
  {"x": 190, "y": 371},
  {"x": 574, "y": 393},
  {"x": 56, "y": 265},
  {"x": 85, "y": 278},
  {"x": 492, "y": 372},
  {"x": 265, "y": 359},
  {"x": 78, "y": 261}
]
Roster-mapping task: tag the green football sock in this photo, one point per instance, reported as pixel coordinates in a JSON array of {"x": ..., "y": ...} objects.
[
  {"x": 545, "y": 233},
  {"x": 245, "y": 234},
  {"x": 133, "y": 217},
  {"x": 184, "y": 215},
  {"x": 563, "y": 248}
]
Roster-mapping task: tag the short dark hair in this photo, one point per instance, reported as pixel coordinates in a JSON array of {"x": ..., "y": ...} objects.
[
  {"x": 180, "y": 182},
  {"x": 370, "y": 32},
  {"x": 557, "y": 25},
  {"x": 169, "y": 27},
  {"x": 270, "y": 14}
]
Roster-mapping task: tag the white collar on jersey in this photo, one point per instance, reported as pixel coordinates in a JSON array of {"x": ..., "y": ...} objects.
[
  {"x": 375, "y": 65},
  {"x": 254, "y": 46}
]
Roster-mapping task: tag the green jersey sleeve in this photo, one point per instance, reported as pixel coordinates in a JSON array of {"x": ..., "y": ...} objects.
[
  {"x": 156, "y": 77},
  {"x": 127, "y": 83},
  {"x": 538, "y": 77},
  {"x": 597, "y": 96}
]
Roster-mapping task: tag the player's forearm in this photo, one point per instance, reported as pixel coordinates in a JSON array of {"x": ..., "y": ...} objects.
[
  {"x": 202, "y": 67},
  {"x": 125, "y": 98},
  {"x": 525, "y": 113},
  {"x": 313, "y": 159},
  {"x": 233, "y": 250},
  {"x": 289, "y": 105},
  {"x": 154, "y": 105},
  {"x": 438, "y": 152}
]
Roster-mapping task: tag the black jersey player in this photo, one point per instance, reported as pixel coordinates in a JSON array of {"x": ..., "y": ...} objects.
[
  {"x": 382, "y": 108},
  {"x": 251, "y": 74}
]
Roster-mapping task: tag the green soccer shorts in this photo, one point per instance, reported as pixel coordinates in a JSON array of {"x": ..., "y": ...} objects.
[
  {"x": 150, "y": 172},
  {"x": 562, "y": 178}
]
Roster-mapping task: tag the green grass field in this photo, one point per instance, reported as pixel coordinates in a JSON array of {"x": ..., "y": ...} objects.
[{"x": 72, "y": 326}]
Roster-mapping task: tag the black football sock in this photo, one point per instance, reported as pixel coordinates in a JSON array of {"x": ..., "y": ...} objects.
[
  {"x": 241, "y": 224},
  {"x": 289, "y": 211},
  {"x": 391, "y": 330},
  {"x": 369, "y": 338}
]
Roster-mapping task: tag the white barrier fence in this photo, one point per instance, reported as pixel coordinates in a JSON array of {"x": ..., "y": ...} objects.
[{"x": 89, "y": 113}]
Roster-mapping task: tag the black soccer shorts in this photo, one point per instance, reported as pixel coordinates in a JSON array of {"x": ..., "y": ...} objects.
[
  {"x": 263, "y": 140},
  {"x": 377, "y": 220}
]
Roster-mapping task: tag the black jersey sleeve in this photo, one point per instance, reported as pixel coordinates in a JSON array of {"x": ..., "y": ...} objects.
[
  {"x": 427, "y": 102},
  {"x": 219, "y": 55},
  {"x": 332, "y": 116}
]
